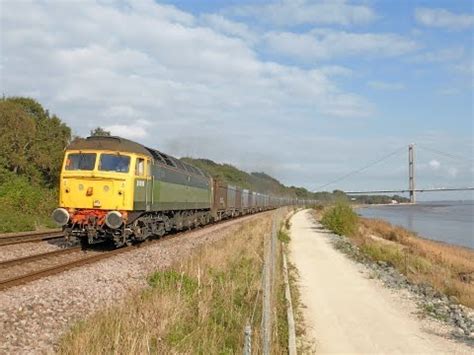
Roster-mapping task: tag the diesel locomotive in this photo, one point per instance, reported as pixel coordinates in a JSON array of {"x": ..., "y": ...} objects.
[{"x": 115, "y": 189}]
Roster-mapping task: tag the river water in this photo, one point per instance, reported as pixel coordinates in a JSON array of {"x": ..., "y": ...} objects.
[{"x": 447, "y": 221}]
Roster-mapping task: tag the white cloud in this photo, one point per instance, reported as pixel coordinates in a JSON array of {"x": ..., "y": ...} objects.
[
  {"x": 132, "y": 131},
  {"x": 451, "y": 54},
  {"x": 300, "y": 12},
  {"x": 336, "y": 70},
  {"x": 190, "y": 84},
  {"x": 387, "y": 86},
  {"x": 442, "y": 18},
  {"x": 448, "y": 91},
  {"x": 123, "y": 111},
  {"x": 466, "y": 68},
  {"x": 235, "y": 29},
  {"x": 434, "y": 164},
  {"x": 112, "y": 64},
  {"x": 453, "y": 172},
  {"x": 327, "y": 44}
]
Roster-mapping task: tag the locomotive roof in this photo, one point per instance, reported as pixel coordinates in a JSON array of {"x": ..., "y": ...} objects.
[
  {"x": 124, "y": 145},
  {"x": 109, "y": 143}
]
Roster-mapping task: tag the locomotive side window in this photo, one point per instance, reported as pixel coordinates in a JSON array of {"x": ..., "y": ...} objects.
[
  {"x": 140, "y": 167},
  {"x": 80, "y": 161},
  {"x": 117, "y": 163}
]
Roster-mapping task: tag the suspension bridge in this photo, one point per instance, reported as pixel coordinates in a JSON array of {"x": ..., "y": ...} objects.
[{"x": 411, "y": 189}]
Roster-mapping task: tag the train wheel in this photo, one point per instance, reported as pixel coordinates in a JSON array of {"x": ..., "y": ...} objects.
[{"x": 141, "y": 230}]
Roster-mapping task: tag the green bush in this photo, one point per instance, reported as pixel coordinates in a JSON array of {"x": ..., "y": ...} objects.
[
  {"x": 283, "y": 236},
  {"x": 24, "y": 205},
  {"x": 340, "y": 219}
]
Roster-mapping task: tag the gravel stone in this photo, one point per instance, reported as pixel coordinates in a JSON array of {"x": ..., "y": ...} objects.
[{"x": 16, "y": 251}]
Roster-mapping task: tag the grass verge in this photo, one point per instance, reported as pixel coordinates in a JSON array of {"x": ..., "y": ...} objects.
[
  {"x": 303, "y": 343},
  {"x": 200, "y": 305}
]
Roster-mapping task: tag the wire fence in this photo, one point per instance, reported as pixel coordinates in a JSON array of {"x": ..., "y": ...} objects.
[{"x": 270, "y": 276}]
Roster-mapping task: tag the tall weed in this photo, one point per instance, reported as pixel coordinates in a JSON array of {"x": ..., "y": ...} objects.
[{"x": 340, "y": 219}]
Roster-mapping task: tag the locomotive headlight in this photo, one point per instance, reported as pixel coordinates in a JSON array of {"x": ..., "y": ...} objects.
[
  {"x": 60, "y": 216},
  {"x": 113, "y": 219}
]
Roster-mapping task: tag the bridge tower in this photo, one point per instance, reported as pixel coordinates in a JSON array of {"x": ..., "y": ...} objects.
[{"x": 411, "y": 172}]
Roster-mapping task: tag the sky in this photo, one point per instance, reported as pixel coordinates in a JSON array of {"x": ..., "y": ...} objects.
[{"x": 307, "y": 91}]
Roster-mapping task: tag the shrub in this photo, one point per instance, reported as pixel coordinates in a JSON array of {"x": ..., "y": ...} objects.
[
  {"x": 24, "y": 205},
  {"x": 340, "y": 219},
  {"x": 283, "y": 236}
]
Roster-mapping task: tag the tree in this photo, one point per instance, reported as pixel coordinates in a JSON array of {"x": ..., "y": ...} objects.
[
  {"x": 32, "y": 142},
  {"x": 17, "y": 136},
  {"x": 99, "y": 132}
]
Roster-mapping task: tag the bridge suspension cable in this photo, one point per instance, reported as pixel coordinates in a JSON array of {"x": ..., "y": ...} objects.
[
  {"x": 362, "y": 168},
  {"x": 449, "y": 155}
]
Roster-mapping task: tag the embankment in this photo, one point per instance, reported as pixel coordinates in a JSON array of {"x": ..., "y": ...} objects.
[{"x": 441, "y": 274}]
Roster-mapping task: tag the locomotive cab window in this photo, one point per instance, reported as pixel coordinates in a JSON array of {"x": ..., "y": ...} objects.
[
  {"x": 112, "y": 162},
  {"x": 80, "y": 161},
  {"x": 140, "y": 167}
]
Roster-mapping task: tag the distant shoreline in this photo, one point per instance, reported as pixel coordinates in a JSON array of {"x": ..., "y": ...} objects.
[{"x": 382, "y": 204}]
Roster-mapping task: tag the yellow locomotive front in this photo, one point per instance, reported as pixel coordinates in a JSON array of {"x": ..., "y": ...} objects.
[
  {"x": 96, "y": 180},
  {"x": 96, "y": 188}
]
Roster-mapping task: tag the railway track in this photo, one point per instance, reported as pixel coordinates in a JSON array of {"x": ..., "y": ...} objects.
[
  {"x": 26, "y": 269},
  {"x": 29, "y": 237},
  {"x": 20, "y": 271}
]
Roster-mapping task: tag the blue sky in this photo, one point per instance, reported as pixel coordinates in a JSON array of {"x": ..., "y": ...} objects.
[{"x": 304, "y": 90}]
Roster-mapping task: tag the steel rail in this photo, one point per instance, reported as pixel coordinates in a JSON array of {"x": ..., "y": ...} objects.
[
  {"x": 20, "y": 238},
  {"x": 25, "y": 259},
  {"x": 56, "y": 269}
]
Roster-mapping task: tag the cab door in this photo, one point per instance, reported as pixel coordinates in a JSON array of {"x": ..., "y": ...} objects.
[
  {"x": 149, "y": 182},
  {"x": 143, "y": 185}
]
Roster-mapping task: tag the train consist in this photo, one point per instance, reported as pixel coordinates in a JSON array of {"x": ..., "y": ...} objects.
[{"x": 115, "y": 189}]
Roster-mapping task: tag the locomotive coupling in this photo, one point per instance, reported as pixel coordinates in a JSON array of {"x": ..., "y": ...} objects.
[
  {"x": 60, "y": 216},
  {"x": 114, "y": 219}
]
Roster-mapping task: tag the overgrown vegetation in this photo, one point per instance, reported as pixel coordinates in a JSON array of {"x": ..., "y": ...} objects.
[
  {"x": 284, "y": 236},
  {"x": 32, "y": 142},
  {"x": 24, "y": 205},
  {"x": 448, "y": 268},
  {"x": 341, "y": 219},
  {"x": 198, "y": 306}
]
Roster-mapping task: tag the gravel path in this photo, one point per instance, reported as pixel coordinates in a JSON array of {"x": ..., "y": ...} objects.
[
  {"x": 347, "y": 312},
  {"x": 34, "y": 316}
]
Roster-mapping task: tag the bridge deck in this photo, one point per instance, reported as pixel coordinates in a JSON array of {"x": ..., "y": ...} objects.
[{"x": 408, "y": 190}]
